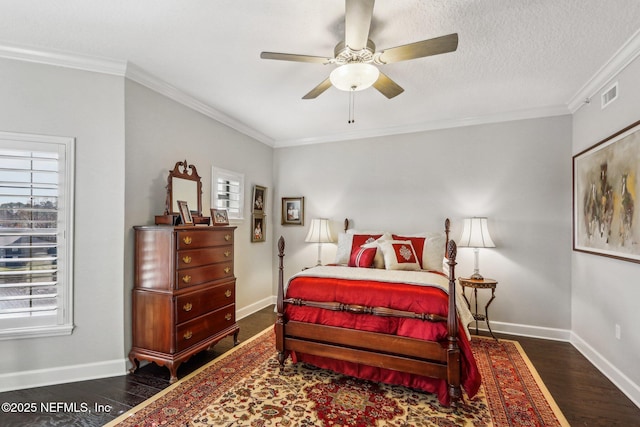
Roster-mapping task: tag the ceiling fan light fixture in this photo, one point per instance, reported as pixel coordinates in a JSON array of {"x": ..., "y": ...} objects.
[{"x": 354, "y": 77}]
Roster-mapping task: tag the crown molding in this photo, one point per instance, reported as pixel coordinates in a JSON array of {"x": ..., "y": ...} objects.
[
  {"x": 533, "y": 113},
  {"x": 123, "y": 69},
  {"x": 614, "y": 66},
  {"x": 62, "y": 59},
  {"x": 146, "y": 79}
]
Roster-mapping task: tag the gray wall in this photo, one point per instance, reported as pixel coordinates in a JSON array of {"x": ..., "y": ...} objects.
[
  {"x": 516, "y": 173},
  {"x": 606, "y": 291},
  {"x": 160, "y": 132},
  {"x": 90, "y": 107}
]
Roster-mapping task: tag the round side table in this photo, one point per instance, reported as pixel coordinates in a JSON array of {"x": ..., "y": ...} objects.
[{"x": 476, "y": 284}]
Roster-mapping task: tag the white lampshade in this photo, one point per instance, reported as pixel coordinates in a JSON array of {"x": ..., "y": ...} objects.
[
  {"x": 475, "y": 234},
  {"x": 354, "y": 77},
  {"x": 319, "y": 231}
]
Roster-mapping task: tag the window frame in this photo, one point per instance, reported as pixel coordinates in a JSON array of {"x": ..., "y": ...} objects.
[
  {"x": 217, "y": 172},
  {"x": 62, "y": 322}
]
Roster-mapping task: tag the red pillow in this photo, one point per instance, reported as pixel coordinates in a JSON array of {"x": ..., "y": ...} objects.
[
  {"x": 416, "y": 242},
  {"x": 360, "y": 239},
  {"x": 363, "y": 257}
]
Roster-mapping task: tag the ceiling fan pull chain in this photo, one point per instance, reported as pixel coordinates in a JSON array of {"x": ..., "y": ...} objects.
[{"x": 352, "y": 95}]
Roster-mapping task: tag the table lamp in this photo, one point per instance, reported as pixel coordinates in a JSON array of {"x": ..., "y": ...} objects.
[
  {"x": 319, "y": 233},
  {"x": 475, "y": 234}
]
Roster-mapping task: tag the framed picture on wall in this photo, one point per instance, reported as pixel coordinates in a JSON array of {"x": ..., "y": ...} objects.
[
  {"x": 185, "y": 213},
  {"x": 605, "y": 188},
  {"x": 258, "y": 228},
  {"x": 259, "y": 199},
  {"x": 293, "y": 210}
]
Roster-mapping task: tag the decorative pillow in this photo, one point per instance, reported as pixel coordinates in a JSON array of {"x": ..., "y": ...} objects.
[
  {"x": 359, "y": 240},
  {"x": 378, "y": 260},
  {"x": 432, "y": 250},
  {"x": 399, "y": 255},
  {"x": 363, "y": 257},
  {"x": 416, "y": 242}
]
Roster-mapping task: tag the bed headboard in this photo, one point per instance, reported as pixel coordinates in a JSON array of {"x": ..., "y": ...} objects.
[{"x": 447, "y": 229}]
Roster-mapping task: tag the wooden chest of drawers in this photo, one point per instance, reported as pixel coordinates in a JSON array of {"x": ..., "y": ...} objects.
[{"x": 184, "y": 293}]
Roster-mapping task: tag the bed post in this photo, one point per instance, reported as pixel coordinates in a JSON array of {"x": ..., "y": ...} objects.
[
  {"x": 280, "y": 305},
  {"x": 453, "y": 350},
  {"x": 447, "y": 228}
]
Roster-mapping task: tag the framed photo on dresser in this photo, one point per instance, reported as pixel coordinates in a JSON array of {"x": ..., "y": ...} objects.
[
  {"x": 219, "y": 217},
  {"x": 185, "y": 213}
]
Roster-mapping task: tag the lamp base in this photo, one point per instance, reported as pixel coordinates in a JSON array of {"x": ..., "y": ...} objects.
[{"x": 476, "y": 276}]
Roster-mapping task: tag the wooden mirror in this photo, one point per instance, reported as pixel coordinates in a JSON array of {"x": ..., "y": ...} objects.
[{"x": 183, "y": 183}]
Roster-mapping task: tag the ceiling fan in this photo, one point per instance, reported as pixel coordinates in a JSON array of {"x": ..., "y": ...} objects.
[{"x": 356, "y": 55}]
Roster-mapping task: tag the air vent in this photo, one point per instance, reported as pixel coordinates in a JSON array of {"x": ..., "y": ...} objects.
[{"x": 610, "y": 95}]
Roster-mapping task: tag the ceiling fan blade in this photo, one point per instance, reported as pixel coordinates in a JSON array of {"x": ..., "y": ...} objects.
[
  {"x": 387, "y": 87},
  {"x": 295, "y": 57},
  {"x": 357, "y": 21},
  {"x": 444, "y": 44},
  {"x": 318, "y": 90}
]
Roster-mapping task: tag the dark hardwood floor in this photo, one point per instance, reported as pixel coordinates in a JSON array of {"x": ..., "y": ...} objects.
[{"x": 585, "y": 396}]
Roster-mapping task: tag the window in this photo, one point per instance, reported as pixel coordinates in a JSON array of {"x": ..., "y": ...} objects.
[
  {"x": 227, "y": 192},
  {"x": 36, "y": 208}
]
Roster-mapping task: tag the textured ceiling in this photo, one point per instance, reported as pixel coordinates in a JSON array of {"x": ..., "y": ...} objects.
[{"x": 513, "y": 55}]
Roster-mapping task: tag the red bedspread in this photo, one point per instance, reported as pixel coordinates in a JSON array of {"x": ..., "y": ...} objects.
[{"x": 419, "y": 299}]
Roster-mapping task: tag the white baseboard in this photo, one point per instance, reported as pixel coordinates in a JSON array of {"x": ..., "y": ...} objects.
[
  {"x": 542, "y": 332},
  {"x": 63, "y": 374},
  {"x": 626, "y": 386},
  {"x": 252, "y": 308},
  {"x": 624, "y": 383}
]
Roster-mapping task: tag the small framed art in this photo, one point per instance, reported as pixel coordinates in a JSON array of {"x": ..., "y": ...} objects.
[
  {"x": 259, "y": 198},
  {"x": 219, "y": 217},
  {"x": 185, "y": 213},
  {"x": 259, "y": 228},
  {"x": 293, "y": 211}
]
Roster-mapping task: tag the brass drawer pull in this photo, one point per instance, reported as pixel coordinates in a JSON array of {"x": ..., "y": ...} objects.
[
  {"x": 187, "y": 307},
  {"x": 227, "y": 293},
  {"x": 227, "y": 316},
  {"x": 227, "y": 270},
  {"x": 187, "y": 240},
  {"x": 227, "y": 253},
  {"x": 186, "y": 279},
  {"x": 186, "y": 259},
  {"x": 187, "y": 335},
  {"x": 227, "y": 237}
]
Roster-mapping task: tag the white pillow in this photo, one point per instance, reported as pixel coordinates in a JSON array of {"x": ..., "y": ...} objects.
[
  {"x": 399, "y": 255},
  {"x": 343, "y": 252}
]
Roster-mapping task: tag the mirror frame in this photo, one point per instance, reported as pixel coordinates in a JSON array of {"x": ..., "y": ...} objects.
[{"x": 183, "y": 170}]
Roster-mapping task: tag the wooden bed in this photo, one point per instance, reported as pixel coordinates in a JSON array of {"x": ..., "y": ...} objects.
[{"x": 441, "y": 360}]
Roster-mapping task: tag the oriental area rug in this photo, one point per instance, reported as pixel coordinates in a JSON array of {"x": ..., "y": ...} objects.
[{"x": 245, "y": 387}]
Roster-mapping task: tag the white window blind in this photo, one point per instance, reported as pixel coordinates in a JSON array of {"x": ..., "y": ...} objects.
[
  {"x": 227, "y": 191},
  {"x": 36, "y": 206}
]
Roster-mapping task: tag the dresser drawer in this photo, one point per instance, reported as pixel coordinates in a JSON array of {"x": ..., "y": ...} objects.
[
  {"x": 194, "y": 304},
  {"x": 208, "y": 273},
  {"x": 200, "y": 328},
  {"x": 197, "y": 257},
  {"x": 191, "y": 239}
]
